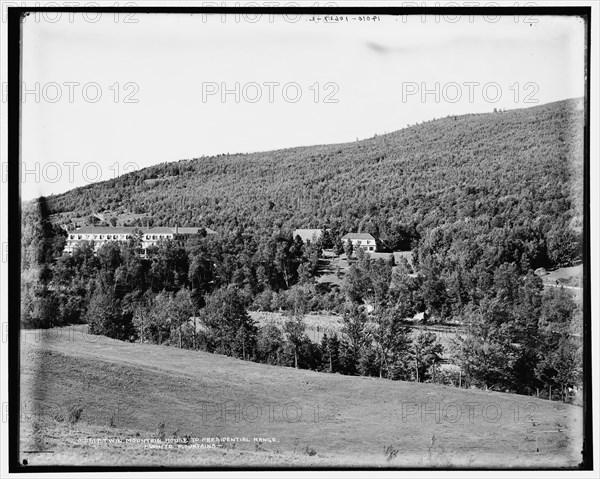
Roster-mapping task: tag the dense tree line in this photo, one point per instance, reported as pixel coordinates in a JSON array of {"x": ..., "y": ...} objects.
[
  {"x": 514, "y": 338},
  {"x": 268, "y": 269},
  {"x": 197, "y": 296}
]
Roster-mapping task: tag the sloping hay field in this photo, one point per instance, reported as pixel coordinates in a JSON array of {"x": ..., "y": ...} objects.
[{"x": 131, "y": 394}]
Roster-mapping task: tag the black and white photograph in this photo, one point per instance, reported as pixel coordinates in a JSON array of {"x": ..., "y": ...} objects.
[{"x": 307, "y": 236}]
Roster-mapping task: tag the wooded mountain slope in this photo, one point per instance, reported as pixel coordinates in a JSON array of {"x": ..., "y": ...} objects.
[{"x": 519, "y": 168}]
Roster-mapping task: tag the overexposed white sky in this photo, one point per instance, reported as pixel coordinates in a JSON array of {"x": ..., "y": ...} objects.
[{"x": 176, "y": 66}]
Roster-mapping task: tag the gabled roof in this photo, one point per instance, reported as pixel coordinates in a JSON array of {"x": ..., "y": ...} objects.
[
  {"x": 160, "y": 230},
  {"x": 192, "y": 231},
  {"x": 111, "y": 230},
  {"x": 358, "y": 236}
]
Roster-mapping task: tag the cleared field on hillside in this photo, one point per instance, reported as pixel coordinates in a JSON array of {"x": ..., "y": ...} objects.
[
  {"x": 332, "y": 268},
  {"x": 316, "y": 324},
  {"x": 570, "y": 278},
  {"x": 128, "y": 390},
  {"x": 572, "y": 275}
]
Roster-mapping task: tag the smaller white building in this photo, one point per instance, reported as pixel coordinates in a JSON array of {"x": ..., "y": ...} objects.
[{"x": 361, "y": 240}]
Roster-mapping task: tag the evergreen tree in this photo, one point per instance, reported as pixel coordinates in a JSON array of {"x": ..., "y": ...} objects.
[
  {"x": 106, "y": 317},
  {"x": 330, "y": 346},
  {"x": 294, "y": 328},
  {"x": 560, "y": 353},
  {"x": 425, "y": 352},
  {"x": 355, "y": 339},
  {"x": 391, "y": 341},
  {"x": 269, "y": 346},
  {"x": 232, "y": 330}
]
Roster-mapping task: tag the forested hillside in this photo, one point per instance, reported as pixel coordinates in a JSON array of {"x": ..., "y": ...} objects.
[
  {"x": 482, "y": 200},
  {"x": 516, "y": 174}
]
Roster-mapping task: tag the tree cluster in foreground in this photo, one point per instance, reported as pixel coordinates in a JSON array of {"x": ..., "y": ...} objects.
[{"x": 511, "y": 335}]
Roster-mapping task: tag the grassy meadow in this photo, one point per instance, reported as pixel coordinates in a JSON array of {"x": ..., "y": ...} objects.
[{"x": 93, "y": 400}]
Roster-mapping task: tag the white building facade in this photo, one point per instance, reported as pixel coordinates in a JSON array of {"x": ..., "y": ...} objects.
[
  {"x": 361, "y": 240},
  {"x": 100, "y": 235}
]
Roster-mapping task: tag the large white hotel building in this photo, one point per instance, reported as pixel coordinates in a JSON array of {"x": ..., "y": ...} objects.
[{"x": 100, "y": 235}]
